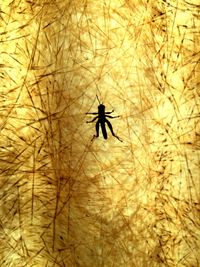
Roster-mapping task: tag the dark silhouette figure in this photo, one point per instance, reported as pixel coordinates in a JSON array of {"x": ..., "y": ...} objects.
[{"x": 101, "y": 116}]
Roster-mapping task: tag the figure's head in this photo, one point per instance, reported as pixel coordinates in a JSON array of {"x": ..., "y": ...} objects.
[{"x": 101, "y": 107}]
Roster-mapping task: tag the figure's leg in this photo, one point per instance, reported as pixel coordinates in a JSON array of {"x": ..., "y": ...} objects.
[
  {"x": 111, "y": 129},
  {"x": 97, "y": 131},
  {"x": 103, "y": 128}
]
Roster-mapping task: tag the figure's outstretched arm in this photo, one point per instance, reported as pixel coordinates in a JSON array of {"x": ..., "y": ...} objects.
[
  {"x": 112, "y": 117},
  {"x": 92, "y": 120},
  {"x": 109, "y": 112},
  {"x": 92, "y": 113}
]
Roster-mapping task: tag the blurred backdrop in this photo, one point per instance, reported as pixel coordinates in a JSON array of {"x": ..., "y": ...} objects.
[{"x": 66, "y": 200}]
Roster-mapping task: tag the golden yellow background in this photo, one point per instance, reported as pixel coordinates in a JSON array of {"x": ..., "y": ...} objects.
[{"x": 67, "y": 201}]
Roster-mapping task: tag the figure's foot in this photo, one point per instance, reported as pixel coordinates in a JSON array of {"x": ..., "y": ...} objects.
[
  {"x": 118, "y": 138},
  {"x": 93, "y": 137}
]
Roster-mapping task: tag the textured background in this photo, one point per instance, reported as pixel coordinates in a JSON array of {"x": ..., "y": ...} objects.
[{"x": 67, "y": 201}]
